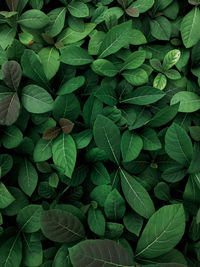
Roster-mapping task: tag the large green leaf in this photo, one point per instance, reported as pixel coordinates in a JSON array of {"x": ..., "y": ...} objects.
[
  {"x": 115, "y": 39},
  {"x": 162, "y": 232},
  {"x": 61, "y": 226},
  {"x": 75, "y": 56},
  {"x": 131, "y": 146},
  {"x": 190, "y": 28},
  {"x": 64, "y": 153},
  {"x": 36, "y": 99},
  {"x": 178, "y": 145},
  {"x": 171, "y": 58},
  {"x": 34, "y": 19},
  {"x": 107, "y": 137},
  {"x": 11, "y": 252},
  {"x": 27, "y": 177},
  {"x": 136, "y": 195},
  {"x": 92, "y": 252},
  {"x": 143, "y": 96},
  {"x": 49, "y": 57},
  {"x": 189, "y": 101}
]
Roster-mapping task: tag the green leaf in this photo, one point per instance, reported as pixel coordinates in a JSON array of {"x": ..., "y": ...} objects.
[
  {"x": 131, "y": 146},
  {"x": 106, "y": 94},
  {"x": 96, "y": 221},
  {"x": 142, "y": 5},
  {"x": 66, "y": 106},
  {"x": 136, "y": 77},
  {"x": 178, "y": 145},
  {"x": 99, "y": 174},
  {"x": 49, "y": 57},
  {"x": 164, "y": 116},
  {"x": 12, "y": 4},
  {"x": 190, "y": 28},
  {"x": 115, "y": 39},
  {"x": 189, "y": 101},
  {"x": 12, "y": 137},
  {"x": 11, "y": 252},
  {"x": 173, "y": 74},
  {"x": 136, "y": 195},
  {"x": 107, "y": 137},
  {"x": 7, "y": 35},
  {"x": 42, "y": 150},
  {"x": 33, "y": 253},
  {"x": 34, "y": 19},
  {"x": 83, "y": 138},
  {"x": 143, "y": 96},
  {"x": 9, "y": 108},
  {"x": 133, "y": 222},
  {"x": 75, "y": 56},
  {"x": 11, "y": 72},
  {"x": 100, "y": 193},
  {"x": 70, "y": 36},
  {"x": 5, "y": 197},
  {"x": 134, "y": 61},
  {"x": 33, "y": 68},
  {"x": 57, "y": 21},
  {"x": 36, "y": 100},
  {"x": 162, "y": 232},
  {"x": 61, "y": 226},
  {"x": 150, "y": 140},
  {"x": 71, "y": 85},
  {"x": 171, "y": 58},
  {"x": 64, "y": 153},
  {"x": 27, "y": 177},
  {"x": 195, "y": 132},
  {"x": 104, "y": 67},
  {"x": 6, "y": 163},
  {"x": 160, "y": 81},
  {"x": 78, "y": 9},
  {"x": 137, "y": 37},
  {"x": 114, "y": 206},
  {"x": 28, "y": 218},
  {"x": 161, "y": 28},
  {"x": 90, "y": 252}
]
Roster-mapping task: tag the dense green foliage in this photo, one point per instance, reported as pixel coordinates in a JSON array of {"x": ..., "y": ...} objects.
[{"x": 99, "y": 133}]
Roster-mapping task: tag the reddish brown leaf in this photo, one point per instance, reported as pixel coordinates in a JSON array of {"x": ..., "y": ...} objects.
[
  {"x": 12, "y": 73},
  {"x": 9, "y": 109},
  {"x": 51, "y": 133},
  {"x": 133, "y": 12},
  {"x": 12, "y": 4},
  {"x": 66, "y": 125}
]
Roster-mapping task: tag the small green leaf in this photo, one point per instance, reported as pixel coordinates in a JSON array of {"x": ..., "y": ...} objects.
[
  {"x": 136, "y": 77},
  {"x": 161, "y": 28},
  {"x": 131, "y": 146},
  {"x": 160, "y": 81},
  {"x": 134, "y": 61},
  {"x": 150, "y": 139},
  {"x": 12, "y": 137},
  {"x": 96, "y": 221},
  {"x": 78, "y": 9},
  {"x": 11, "y": 72},
  {"x": 142, "y": 5},
  {"x": 5, "y": 197},
  {"x": 107, "y": 137},
  {"x": 195, "y": 133},
  {"x": 27, "y": 177},
  {"x": 171, "y": 58},
  {"x": 71, "y": 85},
  {"x": 64, "y": 153},
  {"x": 104, "y": 67}
]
